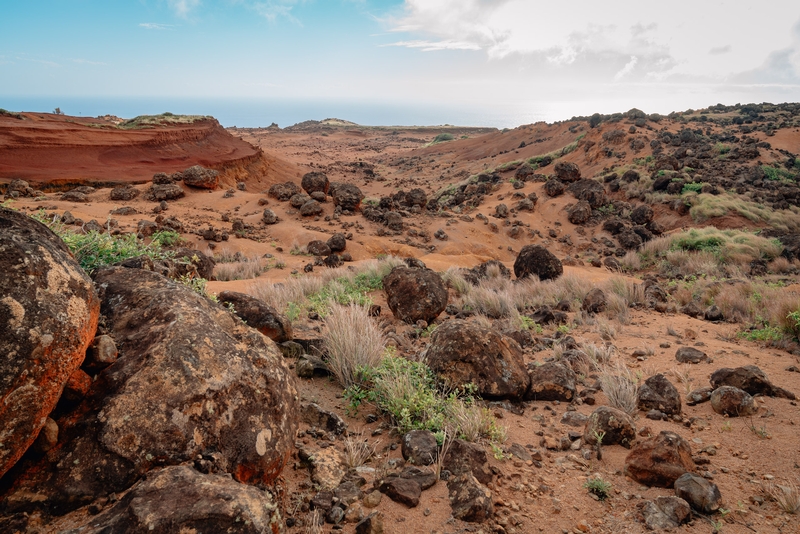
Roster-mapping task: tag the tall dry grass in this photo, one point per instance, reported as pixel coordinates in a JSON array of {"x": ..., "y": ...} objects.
[{"x": 353, "y": 341}]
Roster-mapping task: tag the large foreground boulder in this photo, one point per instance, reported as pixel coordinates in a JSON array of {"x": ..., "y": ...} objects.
[
  {"x": 180, "y": 499},
  {"x": 535, "y": 259},
  {"x": 415, "y": 294},
  {"x": 48, "y": 317},
  {"x": 462, "y": 352},
  {"x": 191, "y": 380}
]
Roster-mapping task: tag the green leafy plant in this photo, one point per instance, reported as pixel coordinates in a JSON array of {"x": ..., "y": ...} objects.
[
  {"x": 442, "y": 137},
  {"x": 598, "y": 487},
  {"x": 167, "y": 238},
  {"x": 767, "y": 333},
  {"x": 692, "y": 187}
]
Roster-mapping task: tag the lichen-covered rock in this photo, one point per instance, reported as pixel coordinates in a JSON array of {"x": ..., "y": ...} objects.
[
  {"x": 419, "y": 447},
  {"x": 616, "y": 427},
  {"x": 463, "y": 352},
  {"x": 190, "y": 378},
  {"x": 124, "y": 193},
  {"x": 551, "y": 381},
  {"x": 48, "y": 317},
  {"x": 348, "y": 196},
  {"x": 469, "y": 499},
  {"x": 658, "y": 393},
  {"x": 284, "y": 191},
  {"x": 535, "y": 259},
  {"x": 318, "y": 248},
  {"x": 259, "y": 315},
  {"x": 750, "y": 379},
  {"x": 733, "y": 402},
  {"x": 157, "y": 193},
  {"x": 466, "y": 457},
  {"x": 269, "y": 217},
  {"x": 415, "y": 294},
  {"x": 315, "y": 181},
  {"x": 180, "y": 499},
  {"x": 200, "y": 177},
  {"x": 660, "y": 460}
]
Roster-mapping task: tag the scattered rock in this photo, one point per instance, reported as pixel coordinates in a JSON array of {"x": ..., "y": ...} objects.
[
  {"x": 595, "y": 301},
  {"x": 642, "y": 214},
  {"x": 618, "y": 426},
  {"x": 658, "y": 393},
  {"x": 337, "y": 242},
  {"x": 258, "y": 315},
  {"x": 415, "y": 294},
  {"x": 751, "y": 379},
  {"x": 701, "y": 494},
  {"x": 465, "y": 457},
  {"x": 347, "y": 196},
  {"x": 157, "y": 193},
  {"x": 402, "y": 490},
  {"x": 567, "y": 172},
  {"x": 313, "y": 414},
  {"x": 579, "y": 213},
  {"x": 470, "y": 500},
  {"x": 537, "y": 260},
  {"x": 123, "y": 193},
  {"x": 318, "y": 248},
  {"x": 284, "y": 191},
  {"x": 315, "y": 182},
  {"x": 660, "y": 460},
  {"x": 269, "y": 217},
  {"x": 713, "y": 314},
  {"x": 551, "y": 381},
  {"x": 554, "y": 187},
  {"x": 690, "y": 355},
  {"x": 733, "y": 402},
  {"x": 463, "y": 352},
  {"x": 666, "y": 513},
  {"x": 419, "y": 447},
  {"x": 199, "y": 177},
  {"x": 372, "y": 524}
]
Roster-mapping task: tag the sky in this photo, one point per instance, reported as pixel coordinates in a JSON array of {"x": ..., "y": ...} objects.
[{"x": 515, "y": 59}]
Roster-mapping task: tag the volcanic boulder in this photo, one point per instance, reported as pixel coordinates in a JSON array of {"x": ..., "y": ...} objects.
[
  {"x": 579, "y": 213},
  {"x": 462, "y": 352},
  {"x": 658, "y": 393},
  {"x": 315, "y": 181},
  {"x": 180, "y": 497},
  {"x": 554, "y": 187},
  {"x": 660, "y": 460},
  {"x": 284, "y": 191},
  {"x": 190, "y": 379},
  {"x": 258, "y": 315},
  {"x": 535, "y": 259},
  {"x": 347, "y": 196},
  {"x": 415, "y": 294},
  {"x": 199, "y": 177},
  {"x": 733, "y": 402},
  {"x": 567, "y": 172},
  {"x": 551, "y": 381},
  {"x": 616, "y": 427},
  {"x": 702, "y": 495},
  {"x": 48, "y": 318},
  {"x": 590, "y": 191},
  {"x": 124, "y": 193},
  {"x": 595, "y": 301},
  {"x": 750, "y": 379}
]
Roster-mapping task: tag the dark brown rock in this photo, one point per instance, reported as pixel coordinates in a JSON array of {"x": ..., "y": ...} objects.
[
  {"x": 750, "y": 379},
  {"x": 554, "y": 187},
  {"x": 463, "y": 352},
  {"x": 465, "y": 457},
  {"x": 658, "y": 393},
  {"x": 318, "y": 248},
  {"x": 595, "y": 301},
  {"x": 157, "y": 193},
  {"x": 690, "y": 355},
  {"x": 537, "y": 260},
  {"x": 315, "y": 181},
  {"x": 259, "y": 315},
  {"x": 733, "y": 402},
  {"x": 372, "y": 524},
  {"x": 419, "y": 447},
  {"x": 313, "y": 414},
  {"x": 551, "y": 381},
  {"x": 348, "y": 196},
  {"x": 642, "y": 214},
  {"x": 665, "y": 513},
  {"x": 702, "y": 495},
  {"x": 190, "y": 378},
  {"x": 470, "y": 500},
  {"x": 48, "y": 317},
  {"x": 269, "y": 217},
  {"x": 402, "y": 490},
  {"x": 567, "y": 172},
  {"x": 199, "y": 177},
  {"x": 415, "y": 294},
  {"x": 618, "y": 426},
  {"x": 284, "y": 191},
  {"x": 426, "y": 478},
  {"x": 178, "y": 498},
  {"x": 124, "y": 193},
  {"x": 590, "y": 191},
  {"x": 579, "y": 213},
  {"x": 297, "y": 200},
  {"x": 337, "y": 242},
  {"x": 660, "y": 460},
  {"x": 74, "y": 196}
]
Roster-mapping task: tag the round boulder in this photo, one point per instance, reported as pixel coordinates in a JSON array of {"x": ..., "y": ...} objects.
[
  {"x": 337, "y": 242},
  {"x": 200, "y": 177},
  {"x": 310, "y": 208},
  {"x": 642, "y": 214},
  {"x": 658, "y": 393},
  {"x": 551, "y": 381},
  {"x": 48, "y": 318},
  {"x": 269, "y": 217},
  {"x": 554, "y": 187},
  {"x": 415, "y": 294},
  {"x": 297, "y": 201},
  {"x": 315, "y": 181},
  {"x": 567, "y": 171},
  {"x": 462, "y": 352},
  {"x": 284, "y": 191},
  {"x": 595, "y": 301},
  {"x": 733, "y": 402},
  {"x": 419, "y": 447},
  {"x": 347, "y": 196},
  {"x": 702, "y": 495},
  {"x": 318, "y": 248},
  {"x": 579, "y": 213},
  {"x": 535, "y": 259},
  {"x": 660, "y": 460},
  {"x": 616, "y": 427}
]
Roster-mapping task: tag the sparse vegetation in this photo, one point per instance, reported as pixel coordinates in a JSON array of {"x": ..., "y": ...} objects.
[
  {"x": 598, "y": 487},
  {"x": 786, "y": 496},
  {"x": 620, "y": 387},
  {"x": 353, "y": 342},
  {"x": 151, "y": 121}
]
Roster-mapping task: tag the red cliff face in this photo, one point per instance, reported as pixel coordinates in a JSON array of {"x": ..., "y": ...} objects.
[{"x": 56, "y": 151}]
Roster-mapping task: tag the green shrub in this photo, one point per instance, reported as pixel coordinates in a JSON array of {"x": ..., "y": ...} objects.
[
  {"x": 777, "y": 174},
  {"x": 767, "y": 333},
  {"x": 598, "y": 487},
  {"x": 693, "y": 187},
  {"x": 167, "y": 238},
  {"x": 442, "y": 137}
]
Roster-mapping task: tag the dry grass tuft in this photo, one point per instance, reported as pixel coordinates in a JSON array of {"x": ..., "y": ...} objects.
[
  {"x": 620, "y": 387},
  {"x": 314, "y": 522},
  {"x": 353, "y": 340},
  {"x": 787, "y": 496},
  {"x": 358, "y": 450},
  {"x": 681, "y": 373}
]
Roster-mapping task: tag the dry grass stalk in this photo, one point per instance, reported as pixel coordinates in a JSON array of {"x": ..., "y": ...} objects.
[
  {"x": 619, "y": 386},
  {"x": 787, "y": 496},
  {"x": 682, "y": 375},
  {"x": 358, "y": 450},
  {"x": 353, "y": 340},
  {"x": 314, "y": 522}
]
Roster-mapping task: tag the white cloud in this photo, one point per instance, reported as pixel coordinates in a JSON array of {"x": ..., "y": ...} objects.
[
  {"x": 429, "y": 46},
  {"x": 183, "y": 7},
  {"x": 666, "y": 38},
  {"x": 155, "y": 26},
  {"x": 272, "y": 10}
]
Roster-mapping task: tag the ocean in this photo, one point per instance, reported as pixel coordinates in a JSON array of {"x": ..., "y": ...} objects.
[{"x": 253, "y": 113}]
